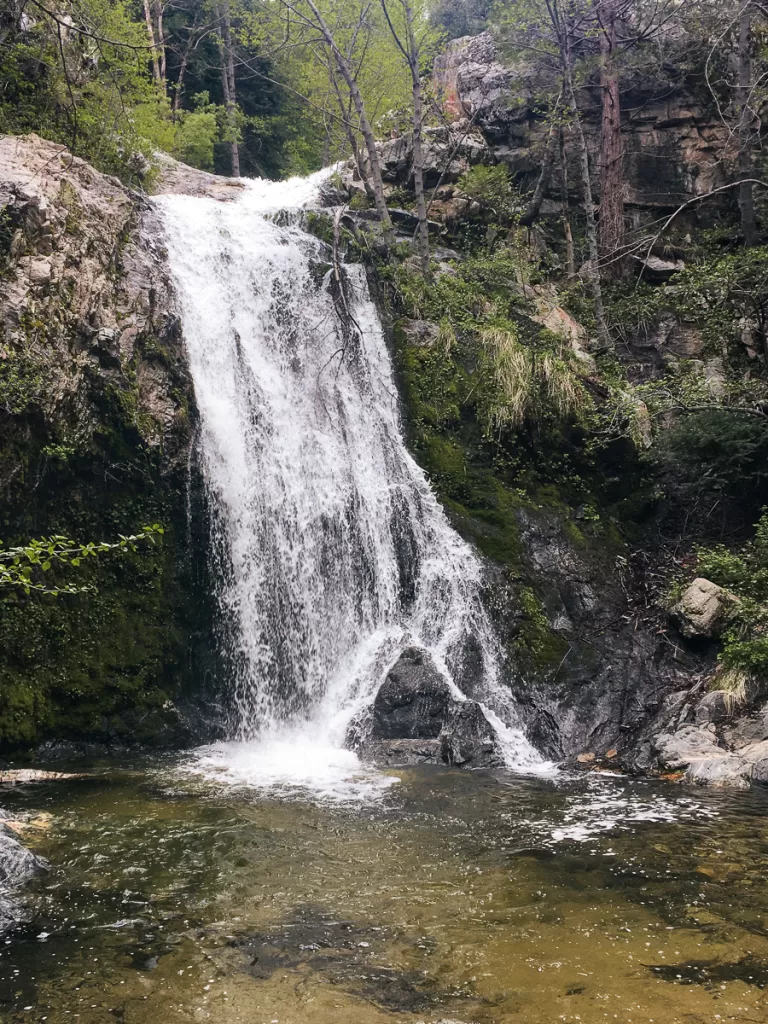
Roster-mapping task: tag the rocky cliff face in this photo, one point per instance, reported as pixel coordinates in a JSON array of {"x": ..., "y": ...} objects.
[
  {"x": 673, "y": 143},
  {"x": 85, "y": 299},
  {"x": 97, "y": 419}
]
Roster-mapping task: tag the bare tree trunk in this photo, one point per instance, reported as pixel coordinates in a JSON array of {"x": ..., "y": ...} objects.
[
  {"x": 160, "y": 34},
  {"x": 152, "y": 42},
  {"x": 746, "y": 189},
  {"x": 176, "y": 105},
  {"x": 534, "y": 207},
  {"x": 352, "y": 138},
  {"x": 611, "y": 223},
  {"x": 365, "y": 126},
  {"x": 192, "y": 40},
  {"x": 563, "y": 36},
  {"x": 418, "y": 152},
  {"x": 228, "y": 85},
  {"x": 570, "y": 255}
]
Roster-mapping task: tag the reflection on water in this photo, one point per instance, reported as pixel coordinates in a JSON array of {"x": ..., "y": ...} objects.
[{"x": 459, "y": 895}]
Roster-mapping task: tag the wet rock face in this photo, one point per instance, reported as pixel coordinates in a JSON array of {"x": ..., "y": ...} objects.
[
  {"x": 415, "y": 720},
  {"x": 467, "y": 738},
  {"x": 413, "y": 700},
  {"x": 85, "y": 295},
  {"x": 592, "y": 675}
]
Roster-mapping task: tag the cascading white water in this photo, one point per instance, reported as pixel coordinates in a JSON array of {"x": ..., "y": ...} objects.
[{"x": 335, "y": 555}]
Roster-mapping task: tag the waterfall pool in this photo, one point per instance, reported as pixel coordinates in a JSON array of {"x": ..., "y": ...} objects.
[{"x": 463, "y": 896}]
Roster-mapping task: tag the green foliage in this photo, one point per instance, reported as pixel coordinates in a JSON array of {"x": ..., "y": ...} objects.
[
  {"x": 726, "y": 293},
  {"x": 99, "y": 99},
  {"x": 23, "y": 382},
  {"x": 716, "y": 451},
  {"x": 745, "y": 574},
  {"x": 535, "y": 640},
  {"x": 23, "y": 566},
  {"x": 197, "y": 133},
  {"x": 484, "y": 288},
  {"x": 491, "y": 187},
  {"x": 528, "y": 381},
  {"x": 632, "y": 308}
]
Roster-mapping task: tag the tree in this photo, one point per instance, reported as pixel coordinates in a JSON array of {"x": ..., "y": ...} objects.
[
  {"x": 746, "y": 115},
  {"x": 611, "y": 222},
  {"x": 228, "y": 85},
  {"x": 409, "y": 43}
]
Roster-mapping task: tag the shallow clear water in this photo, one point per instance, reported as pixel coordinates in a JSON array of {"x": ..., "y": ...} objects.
[{"x": 461, "y": 895}]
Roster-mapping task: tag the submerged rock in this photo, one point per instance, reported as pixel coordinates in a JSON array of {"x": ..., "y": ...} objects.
[
  {"x": 400, "y": 753},
  {"x": 17, "y": 866},
  {"x": 467, "y": 737},
  {"x": 413, "y": 699},
  {"x": 19, "y": 776}
]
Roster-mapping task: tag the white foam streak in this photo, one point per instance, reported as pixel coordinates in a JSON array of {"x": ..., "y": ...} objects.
[{"x": 334, "y": 553}]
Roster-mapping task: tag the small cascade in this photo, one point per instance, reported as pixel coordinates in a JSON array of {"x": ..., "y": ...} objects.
[{"x": 333, "y": 553}]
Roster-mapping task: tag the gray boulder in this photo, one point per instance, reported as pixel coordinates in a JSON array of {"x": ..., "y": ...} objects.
[
  {"x": 17, "y": 866},
  {"x": 467, "y": 737},
  {"x": 715, "y": 708},
  {"x": 413, "y": 700},
  {"x": 703, "y": 610}
]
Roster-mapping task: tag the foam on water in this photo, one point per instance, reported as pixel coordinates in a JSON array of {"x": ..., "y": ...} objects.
[{"x": 333, "y": 554}]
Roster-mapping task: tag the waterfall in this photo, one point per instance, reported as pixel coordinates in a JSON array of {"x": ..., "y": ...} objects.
[{"x": 334, "y": 555}]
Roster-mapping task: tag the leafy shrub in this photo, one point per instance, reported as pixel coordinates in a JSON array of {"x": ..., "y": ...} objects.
[
  {"x": 717, "y": 450},
  {"x": 745, "y": 574},
  {"x": 491, "y": 187},
  {"x": 197, "y": 133}
]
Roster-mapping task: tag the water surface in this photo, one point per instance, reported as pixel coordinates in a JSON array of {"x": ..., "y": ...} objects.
[{"x": 461, "y": 895}]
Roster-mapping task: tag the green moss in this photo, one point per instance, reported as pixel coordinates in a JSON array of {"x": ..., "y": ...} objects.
[
  {"x": 320, "y": 225},
  {"x": 92, "y": 664},
  {"x": 536, "y": 643},
  {"x": 99, "y": 665}
]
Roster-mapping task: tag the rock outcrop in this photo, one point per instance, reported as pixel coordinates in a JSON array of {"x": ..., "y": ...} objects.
[
  {"x": 17, "y": 866},
  {"x": 96, "y": 422},
  {"x": 672, "y": 141},
  {"x": 413, "y": 700},
  {"x": 468, "y": 739},
  {"x": 85, "y": 295},
  {"x": 415, "y": 719},
  {"x": 712, "y": 740},
  {"x": 703, "y": 610}
]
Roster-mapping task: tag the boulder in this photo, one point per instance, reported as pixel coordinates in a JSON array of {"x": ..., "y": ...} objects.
[
  {"x": 725, "y": 771},
  {"x": 413, "y": 700},
  {"x": 684, "y": 746},
  {"x": 447, "y": 153},
  {"x": 715, "y": 708},
  {"x": 17, "y": 866},
  {"x": 703, "y": 610},
  {"x": 423, "y": 333},
  {"x": 467, "y": 737},
  {"x": 656, "y": 270},
  {"x": 760, "y": 771}
]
